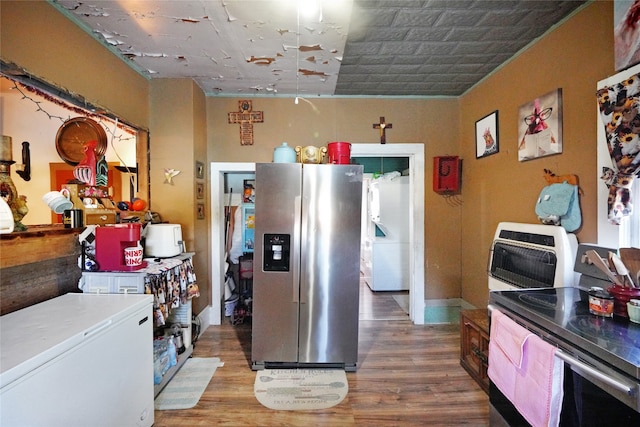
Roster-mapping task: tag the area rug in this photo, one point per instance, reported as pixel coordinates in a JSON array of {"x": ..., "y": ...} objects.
[
  {"x": 186, "y": 387},
  {"x": 300, "y": 389}
]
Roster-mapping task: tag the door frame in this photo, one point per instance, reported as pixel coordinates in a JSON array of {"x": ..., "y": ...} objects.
[{"x": 415, "y": 153}]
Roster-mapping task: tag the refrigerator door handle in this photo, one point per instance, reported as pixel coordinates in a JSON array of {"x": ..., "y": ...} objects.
[{"x": 295, "y": 250}]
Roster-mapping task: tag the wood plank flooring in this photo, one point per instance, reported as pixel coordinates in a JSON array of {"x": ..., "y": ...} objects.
[{"x": 407, "y": 375}]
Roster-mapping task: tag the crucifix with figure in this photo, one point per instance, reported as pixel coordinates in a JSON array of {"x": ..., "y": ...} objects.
[
  {"x": 383, "y": 129},
  {"x": 245, "y": 118}
]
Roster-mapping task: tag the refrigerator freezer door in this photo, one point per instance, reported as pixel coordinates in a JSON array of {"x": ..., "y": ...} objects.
[
  {"x": 306, "y": 314},
  {"x": 330, "y": 264},
  {"x": 276, "y": 292}
]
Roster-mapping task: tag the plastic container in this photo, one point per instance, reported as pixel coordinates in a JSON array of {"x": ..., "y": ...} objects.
[
  {"x": 601, "y": 303},
  {"x": 339, "y": 153},
  {"x": 230, "y": 305},
  {"x": 633, "y": 309},
  {"x": 173, "y": 352}
]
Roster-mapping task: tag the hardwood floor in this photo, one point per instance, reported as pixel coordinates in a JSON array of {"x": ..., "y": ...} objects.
[{"x": 407, "y": 375}]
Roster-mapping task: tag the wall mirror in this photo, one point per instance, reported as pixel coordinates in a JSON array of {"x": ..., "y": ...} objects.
[{"x": 35, "y": 113}]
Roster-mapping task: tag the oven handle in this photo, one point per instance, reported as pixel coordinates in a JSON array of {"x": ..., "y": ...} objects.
[{"x": 589, "y": 370}]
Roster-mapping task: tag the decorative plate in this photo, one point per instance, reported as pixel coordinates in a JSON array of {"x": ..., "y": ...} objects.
[{"x": 72, "y": 136}]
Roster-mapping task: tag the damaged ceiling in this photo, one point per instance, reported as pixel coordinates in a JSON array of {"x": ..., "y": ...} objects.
[{"x": 343, "y": 48}]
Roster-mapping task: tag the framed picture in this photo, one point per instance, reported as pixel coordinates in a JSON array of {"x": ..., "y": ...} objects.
[
  {"x": 487, "y": 135},
  {"x": 200, "y": 210},
  {"x": 199, "y": 170},
  {"x": 540, "y": 126},
  {"x": 626, "y": 37},
  {"x": 199, "y": 190}
]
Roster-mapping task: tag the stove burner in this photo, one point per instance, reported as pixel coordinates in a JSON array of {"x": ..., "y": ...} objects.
[{"x": 547, "y": 302}]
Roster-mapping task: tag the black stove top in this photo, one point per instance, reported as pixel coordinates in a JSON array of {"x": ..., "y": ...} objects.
[{"x": 564, "y": 313}]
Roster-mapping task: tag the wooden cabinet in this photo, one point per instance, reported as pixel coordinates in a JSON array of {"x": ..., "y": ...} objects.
[{"x": 474, "y": 345}]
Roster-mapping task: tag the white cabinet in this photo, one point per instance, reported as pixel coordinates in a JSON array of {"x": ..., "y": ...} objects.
[{"x": 78, "y": 360}]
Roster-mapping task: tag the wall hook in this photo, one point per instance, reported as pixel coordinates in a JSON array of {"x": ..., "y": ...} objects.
[{"x": 25, "y": 172}]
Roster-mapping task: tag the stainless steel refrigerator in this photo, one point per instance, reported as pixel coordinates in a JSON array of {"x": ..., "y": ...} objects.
[{"x": 306, "y": 265}]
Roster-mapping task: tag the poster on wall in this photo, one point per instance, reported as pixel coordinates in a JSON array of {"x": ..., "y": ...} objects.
[
  {"x": 540, "y": 126},
  {"x": 626, "y": 33}
]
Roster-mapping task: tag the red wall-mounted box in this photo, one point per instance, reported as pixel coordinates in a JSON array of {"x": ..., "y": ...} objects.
[{"x": 446, "y": 174}]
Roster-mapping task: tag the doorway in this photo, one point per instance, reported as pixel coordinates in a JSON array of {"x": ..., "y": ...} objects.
[{"x": 415, "y": 154}]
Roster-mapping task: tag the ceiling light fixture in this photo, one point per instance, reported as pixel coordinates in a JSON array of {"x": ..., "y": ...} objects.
[{"x": 308, "y": 7}]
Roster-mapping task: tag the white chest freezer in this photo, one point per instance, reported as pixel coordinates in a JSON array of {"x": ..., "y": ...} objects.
[{"x": 78, "y": 360}]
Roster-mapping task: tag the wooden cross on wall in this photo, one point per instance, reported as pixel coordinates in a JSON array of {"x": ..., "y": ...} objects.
[
  {"x": 245, "y": 118},
  {"x": 383, "y": 129}
]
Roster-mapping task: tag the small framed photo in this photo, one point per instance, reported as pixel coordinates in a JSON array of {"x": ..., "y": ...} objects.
[
  {"x": 199, "y": 170},
  {"x": 199, "y": 190},
  {"x": 487, "y": 135},
  {"x": 200, "y": 212}
]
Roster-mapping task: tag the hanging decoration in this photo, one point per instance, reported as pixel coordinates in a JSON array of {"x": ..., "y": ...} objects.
[
  {"x": 22, "y": 89},
  {"x": 383, "y": 129},
  {"x": 85, "y": 171},
  {"x": 245, "y": 117},
  {"x": 619, "y": 106},
  {"x": 169, "y": 174}
]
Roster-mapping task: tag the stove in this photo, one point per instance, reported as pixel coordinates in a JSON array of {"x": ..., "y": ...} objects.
[{"x": 601, "y": 355}]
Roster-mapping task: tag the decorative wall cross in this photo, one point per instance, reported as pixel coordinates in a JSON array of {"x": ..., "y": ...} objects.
[
  {"x": 245, "y": 118},
  {"x": 383, "y": 129}
]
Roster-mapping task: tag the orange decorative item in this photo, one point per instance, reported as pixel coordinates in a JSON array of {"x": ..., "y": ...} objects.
[{"x": 139, "y": 204}]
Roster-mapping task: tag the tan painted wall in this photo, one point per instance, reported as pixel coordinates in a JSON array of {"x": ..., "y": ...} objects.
[
  {"x": 573, "y": 57},
  {"x": 431, "y": 122},
  {"x": 178, "y": 124},
  {"x": 36, "y": 37}
]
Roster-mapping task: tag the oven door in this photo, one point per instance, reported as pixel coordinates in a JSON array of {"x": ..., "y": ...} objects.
[
  {"x": 518, "y": 266},
  {"x": 584, "y": 405}
]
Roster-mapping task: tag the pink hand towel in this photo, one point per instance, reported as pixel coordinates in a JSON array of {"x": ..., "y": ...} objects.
[{"x": 526, "y": 371}]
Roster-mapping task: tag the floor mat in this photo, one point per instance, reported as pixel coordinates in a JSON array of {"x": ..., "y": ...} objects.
[
  {"x": 300, "y": 389},
  {"x": 186, "y": 387}
]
